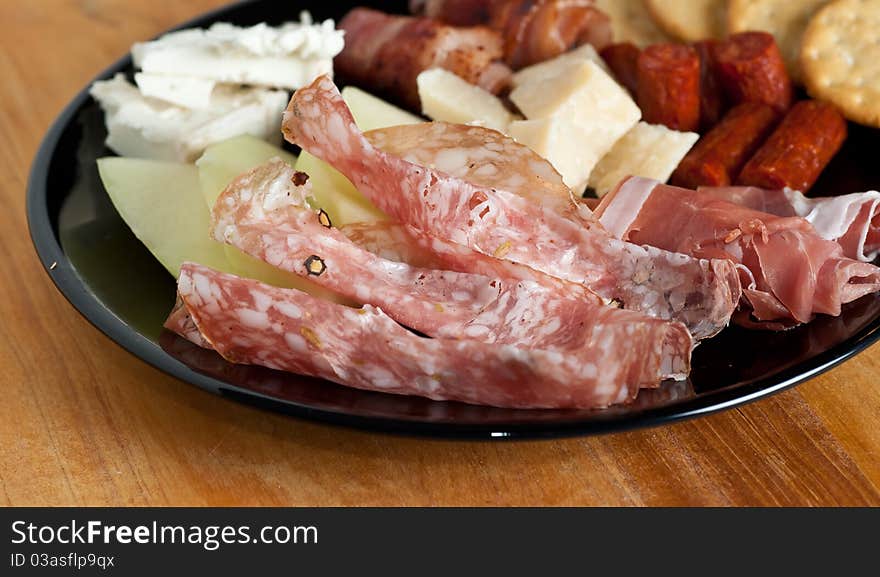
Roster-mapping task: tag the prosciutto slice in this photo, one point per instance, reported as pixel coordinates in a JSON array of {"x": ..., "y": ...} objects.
[
  {"x": 253, "y": 323},
  {"x": 790, "y": 272},
  {"x": 264, "y": 214},
  {"x": 570, "y": 245},
  {"x": 851, "y": 220}
]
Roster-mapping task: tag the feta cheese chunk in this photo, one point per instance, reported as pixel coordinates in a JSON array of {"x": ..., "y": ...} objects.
[
  {"x": 289, "y": 56},
  {"x": 145, "y": 127},
  {"x": 450, "y": 98},
  {"x": 648, "y": 150},
  {"x": 584, "y": 113},
  {"x": 180, "y": 90}
]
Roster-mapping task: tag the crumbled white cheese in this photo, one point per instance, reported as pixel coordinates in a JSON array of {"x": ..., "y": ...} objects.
[
  {"x": 288, "y": 56},
  {"x": 145, "y": 127},
  {"x": 180, "y": 90}
]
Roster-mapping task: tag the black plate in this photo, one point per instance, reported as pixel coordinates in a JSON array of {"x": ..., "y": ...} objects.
[{"x": 107, "y": 274}]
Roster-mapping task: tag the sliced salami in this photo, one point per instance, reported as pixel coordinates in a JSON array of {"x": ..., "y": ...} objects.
[
  {"x": 264, "y": 214},
  {"x": 253, "y": 323},
  {"x": 572, "y": 246}
]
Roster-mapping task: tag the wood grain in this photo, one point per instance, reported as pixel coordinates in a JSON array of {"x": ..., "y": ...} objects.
[{"x": 84, "y": 423}]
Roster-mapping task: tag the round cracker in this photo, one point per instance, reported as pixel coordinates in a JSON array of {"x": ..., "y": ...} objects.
[
  {"x": 786, "y": 20},
  {"x": 631, "y": 22},
  {"x": 840, "y": 58},
  {"x": 690, "y": 20}
]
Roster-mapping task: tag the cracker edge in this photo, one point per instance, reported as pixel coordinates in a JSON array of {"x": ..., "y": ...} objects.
[
  {"x": 673, "y": 27},
  {"x": 860, "y": 115}
]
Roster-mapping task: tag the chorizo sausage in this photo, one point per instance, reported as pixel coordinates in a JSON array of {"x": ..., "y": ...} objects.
[
  {"x": 719, "y": 156},
  {"x": 799, "y": 150},
  {"x": 669, "y": 86},
  {"x": 623, "y": 60},
  {"x": 712, "y": 102},
  {"x": 750, "y": 68}
]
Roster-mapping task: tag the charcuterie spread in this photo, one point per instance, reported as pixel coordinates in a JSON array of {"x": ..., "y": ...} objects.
[{"x": 528, "y": 204}]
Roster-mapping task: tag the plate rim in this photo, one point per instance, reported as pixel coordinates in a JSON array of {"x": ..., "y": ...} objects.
[{"x": 74, "y": 289}]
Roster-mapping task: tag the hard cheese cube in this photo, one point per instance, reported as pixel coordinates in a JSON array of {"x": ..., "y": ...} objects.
[
  {"x": 560, "y": 142},
  {"x": 647, "y": 150},
  {"x": 545, "y": 70},
  {"x": 584, "y": 113},
  {"x": 449, "y": 98}
]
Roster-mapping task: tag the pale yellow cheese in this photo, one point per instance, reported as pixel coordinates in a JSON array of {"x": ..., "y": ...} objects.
[
  {"x": 560, "y": 142},
  {"x": 371, "y": 112},
  {"x": 648, "y": 150},
  {"x": 550, "y": 68},
  {"x": 331, "y": 190},
  {"x": 584, "y": 113},
  {"x": 450, "y": 98}
]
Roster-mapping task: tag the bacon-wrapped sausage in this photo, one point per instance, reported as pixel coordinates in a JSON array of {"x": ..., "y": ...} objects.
[
  {"x": 669, "y": 86},
  {"x": 533, "y": 30},
  {"x": 719, "y": 156},
  {"x": 799, "y": 150},
  {"x": 386, "y": 53},
  {"x": 455, "y": 12}
]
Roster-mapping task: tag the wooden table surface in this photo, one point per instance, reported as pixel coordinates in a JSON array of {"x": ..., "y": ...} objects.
[{"x": 84, "y": 423}]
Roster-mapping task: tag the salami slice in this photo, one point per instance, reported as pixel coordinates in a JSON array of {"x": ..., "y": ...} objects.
[
  {"x": 253, "y": 323},
  {"x": 405, "y": 243},
  {"x": 851, "y": 220},
  {"x": 572, "y": 246},
  {"x": 264, "y": 214},
  {"x": 481, "y": 156},
  {"x": 789, "y": 272}
]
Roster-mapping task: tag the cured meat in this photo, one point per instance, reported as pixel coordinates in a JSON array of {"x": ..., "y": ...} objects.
[
  {"x": 799, "y": 150},
  {"x": 253, "y": 323},
  {"x": 750, "y": 68},
  {"x": 538, "y": 30},
  {"x": 851, "y": 220},
  {"x": 265, "y": 214},
  {"x": 386, "y": 54},
  {"x": 533, "y": 30},
  {"x": 480, "y": 156},
  {"x": 404, "y": 243},
  {"x": 789, "y": 272},
  {"x": 669, "y": 86},
  {"x": 455, "y": 12},
  {"x": 623, "y": 60},
  {"x": 712, "y": 103},
  {"x": 572, "y": 245},
  {"x": 718, "y": 157}
]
